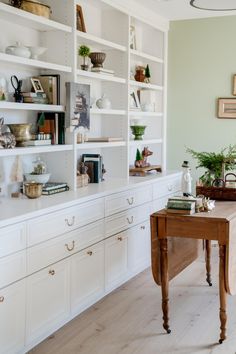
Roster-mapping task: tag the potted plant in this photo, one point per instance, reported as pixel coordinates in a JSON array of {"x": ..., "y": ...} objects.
[
  {"x": 84, "y": 52},
  {"x": 215, "y": 163}
]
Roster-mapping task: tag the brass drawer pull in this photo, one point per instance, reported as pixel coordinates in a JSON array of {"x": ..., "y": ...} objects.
[
  {"x": 130, "y": 221},
  {"x": 70, "y": 223},
  {"x": 130, "y": 200},
  {"x": 120, "y": 238},
  {"x": 143, "y": 227},
  {"x": 69, "y": 249},
  {"x": 2, "y": 298},
  {"x": 90, "y": 253},
  {"x": 52, "y": 272}
]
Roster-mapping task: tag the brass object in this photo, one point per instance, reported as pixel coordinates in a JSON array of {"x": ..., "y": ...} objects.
[
  {"x": 97, "y": 59},
  {"x": 52, "y": 272},
  {"x": 130, "y": 221},
  {"x": 21, "y": 133},
  {"x": 143, "y": 227},
  {"x": 90, "y": 253},
  {"x": 33, "y": 190},
  {"x": 2, "y": 298},
  {"x": 120, "y": 238},
  {"x": 33, "y": 6},
  {"x": 70, "y": 223},
  {"x": 70, "y": 248},
  {"x": 130, "y": 201}
]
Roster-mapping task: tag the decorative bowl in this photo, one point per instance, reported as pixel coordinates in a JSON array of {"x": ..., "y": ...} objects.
[
  {"x": 37, "y": 51},
  {"x": 33, "y": 190},
  {"x": 138, "y": 131},
  {"x": 21, "y": 133},
  {"x": 42, "y": 179},
  {"x": 97, "y": 59}
]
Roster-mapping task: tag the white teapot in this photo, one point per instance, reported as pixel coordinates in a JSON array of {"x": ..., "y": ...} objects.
[
  {"x": 103, "y": 102},
  {"x": 18, "y": 50}
]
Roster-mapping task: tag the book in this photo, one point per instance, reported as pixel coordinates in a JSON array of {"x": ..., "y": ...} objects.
[
  {"x": 38, "y": 142},
  {"x": 49, "y": 85},
  {"x": 105, "y": 139},
  {"x": 90, "y": 171},
  {"x": 37, "y": 100},
  {"x": 54, "y": 191},
  {"x": 34, "y": 94},
  {"x": 53, "y": 124},
  {"x": 94, "y": 157},
  {"x": 49, "y": 186},
  {"x": 58, "y": 86},
  {"x": 180, "y": 211},
  {"x": 178, "y": 204}
]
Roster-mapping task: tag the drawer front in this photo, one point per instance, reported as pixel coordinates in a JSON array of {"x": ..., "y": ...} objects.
[
  {"x": 126, "y": 200},
  {"x": 46, "y": 227},
  {"x": 13, "y": 268},
  {"x": 127, "y": 219},
  {"x": 166, "y": 187},
  {"x": 159, "y": 204},
  {"x": 54, "y": 250},
  {"x": 12, "y": 239}
]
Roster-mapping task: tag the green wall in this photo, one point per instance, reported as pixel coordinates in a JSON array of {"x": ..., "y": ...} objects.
[{"x": 202, "y": 62}]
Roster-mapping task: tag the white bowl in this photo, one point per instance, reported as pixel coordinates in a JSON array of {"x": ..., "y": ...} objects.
[
  {"x": 43, "y": 178},
  {"x": 37, "y": 51}
]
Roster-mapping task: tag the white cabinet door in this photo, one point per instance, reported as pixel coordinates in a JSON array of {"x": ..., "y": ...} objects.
[
  {"x": 47, "y": 301},
  {"x": 87, "y": 277},
  {"x": 116, "y": 261},
  {"x": 139, "y": 247},
  {"x": 12, "y": 318}
]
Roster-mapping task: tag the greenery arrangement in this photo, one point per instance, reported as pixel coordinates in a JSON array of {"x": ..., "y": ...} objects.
[
  {"x": 84, "y": 52},
  {"x": 147, "y": 74},
  {"x": 215, "y": 163}
]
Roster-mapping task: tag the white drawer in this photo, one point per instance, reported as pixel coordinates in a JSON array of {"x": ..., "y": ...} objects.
[
  {"x": 126, "y": 200},
  {"x": 122, "y": 221},
  {"x": 166, "y": 187},
  {"x": 159, "y": 204},
  {"x": 12, "y": 239},
  {"x": 46, "y": 227},
  {"x": 13, "y": 268},
  {"x": 54, "y": 250}
]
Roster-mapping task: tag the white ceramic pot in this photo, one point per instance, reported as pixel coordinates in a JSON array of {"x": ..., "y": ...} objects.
[
  {"x": 37, "y": 51},
  {"x": 43, "y": 178},
  {"x": 18, "y": 50},
  {"x": 103, "y": 102}
]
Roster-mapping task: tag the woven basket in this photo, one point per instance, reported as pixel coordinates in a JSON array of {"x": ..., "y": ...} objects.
[
  {"x": 36, "y": 8},
  {"x": 217, "y": 193}
]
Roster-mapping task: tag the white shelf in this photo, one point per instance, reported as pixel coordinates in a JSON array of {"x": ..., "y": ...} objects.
[
  {"x": 31, "y": 107},
  {"x": 145, "y": 142},
  {"x": 145, "y": 114},
  {"x": 89, "y": 38},
  {"x": 34, "y": 150},
  {"x": 101, "y": 145},
  {"x": 98, "y": 76},
  {"x": 24, "y": 18},
  {"x": 147, "y": 86},
  {"x": 146, "y": 56},
  {"x": 117, "y": 112},
  {"x": 34, "y": 63}
]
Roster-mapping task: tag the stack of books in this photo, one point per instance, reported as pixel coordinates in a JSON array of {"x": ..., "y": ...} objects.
[
  {"x": 35, "y": 97},
  {"x": 54, "y": 187},
  {"x": 51, "y": 87},
  {"x": 54, "y": 125},
  {"x": 102, "y": 71},
  {"x": 181, "y": 205},
  {"x": 94, "y": 164}
]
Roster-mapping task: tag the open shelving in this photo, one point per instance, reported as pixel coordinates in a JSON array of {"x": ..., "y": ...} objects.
[
  {"x": 34, "y": 150},
  {"x": 145, "y": 114},
  {"x": 89, "y": 39},
  {"x": 149, "y": 57},
  {"x": 146, "y": 85},
  {"x": 145, "y": 142},
  {"x": 31, "y": 107},
  {"x": 98, "y": 76},
  {"x": 99, "y": 145},
  {"x": 112, "y": 112}
]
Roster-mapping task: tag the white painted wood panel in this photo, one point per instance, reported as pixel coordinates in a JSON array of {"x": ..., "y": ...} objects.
[
  {"x": 12, "y": 268},
  {"x": 12, "y": 239}
]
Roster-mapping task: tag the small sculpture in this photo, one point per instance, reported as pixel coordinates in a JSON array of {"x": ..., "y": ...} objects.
[
  {"x": 7, "y": 139},
  {"x": 17, "y": 85},
  {"x": 186, "y": 179},
  {"x": 141, "y": 159}
]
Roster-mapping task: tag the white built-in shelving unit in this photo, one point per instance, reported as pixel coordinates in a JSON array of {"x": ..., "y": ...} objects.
[{"x": 110, "y": 33}]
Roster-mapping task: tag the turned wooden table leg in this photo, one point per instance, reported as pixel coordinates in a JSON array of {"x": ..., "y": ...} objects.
[
  {"x": 208, "y": 262},
  {"x": 223, "y": 314},
  {"x": 164, "y": 282}
]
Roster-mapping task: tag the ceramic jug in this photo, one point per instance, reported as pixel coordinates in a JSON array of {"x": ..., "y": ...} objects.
[{"x": 103, "y": 102}]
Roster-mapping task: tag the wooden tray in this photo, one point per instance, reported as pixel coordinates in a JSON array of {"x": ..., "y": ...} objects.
[{"x": 217, "y": 193}]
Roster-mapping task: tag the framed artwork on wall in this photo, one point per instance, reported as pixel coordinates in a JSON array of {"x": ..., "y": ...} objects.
[
  {"x": 80, "y": 24},
  {"x": 78, "y": 105},
  {"x": 227, "y": 108}
]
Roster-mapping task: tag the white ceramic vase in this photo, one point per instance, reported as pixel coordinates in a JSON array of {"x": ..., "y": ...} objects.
[{"x": 103, "y": 102}]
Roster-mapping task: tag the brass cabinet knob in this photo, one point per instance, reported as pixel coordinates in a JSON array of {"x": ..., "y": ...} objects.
[
  {"x": 69, "y": 249},
  {"x": 2, "y": 298},
  {"x": 120, "y": 238},
  {"x": 90, "y": 253},
  {"x": 130, "y": 200},
  {"x": 70, "y": 223},
  {"x": 130, "y": 220},
  {"x": 52, "y": 272}
]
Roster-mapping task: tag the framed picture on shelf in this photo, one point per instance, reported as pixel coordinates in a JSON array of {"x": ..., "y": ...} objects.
[
  {"x": 80, "y": 25},
  {"x": 36, "y": 85},
  {"x": 132, "y": 37},
  {"x": 134, "y": 101},
  {"x": 227, "y": 108},
  {"x": 78, "y": 105}
]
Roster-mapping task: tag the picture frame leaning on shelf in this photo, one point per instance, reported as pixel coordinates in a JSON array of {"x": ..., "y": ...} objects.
[
  {"x": 132, "y": 37},
  {"x": 80, "y": 24}
]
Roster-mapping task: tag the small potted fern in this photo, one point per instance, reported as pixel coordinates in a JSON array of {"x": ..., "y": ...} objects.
[{"x": 84, "y": 52}]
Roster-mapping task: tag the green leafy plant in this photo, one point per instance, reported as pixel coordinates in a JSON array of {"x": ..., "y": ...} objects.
[
  {"x": 147, "y": 73},
  {"x": 138, "y": 155},
  {"x": 84, "y": 51},
  {"x": 215, "y": 163}
]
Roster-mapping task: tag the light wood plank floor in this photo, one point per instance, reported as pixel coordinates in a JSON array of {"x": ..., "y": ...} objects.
[{"x": 129, "y": 321}]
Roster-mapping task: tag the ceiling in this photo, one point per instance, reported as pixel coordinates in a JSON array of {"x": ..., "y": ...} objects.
[{"x": 180, "y": 9}]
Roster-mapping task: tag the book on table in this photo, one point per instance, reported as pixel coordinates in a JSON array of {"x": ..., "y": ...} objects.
[
  {"x": 49, "y": 186},
  {"x": 54, "y": 191},
  {"x": 181, "y": 211}
]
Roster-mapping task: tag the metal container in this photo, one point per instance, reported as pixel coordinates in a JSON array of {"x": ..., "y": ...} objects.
[
  {"x": 21, "y": 133},
  {"x": 33, "y": 189}
]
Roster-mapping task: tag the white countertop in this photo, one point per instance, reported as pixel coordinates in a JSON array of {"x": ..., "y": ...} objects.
[{"x": 13, "y": 210}]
